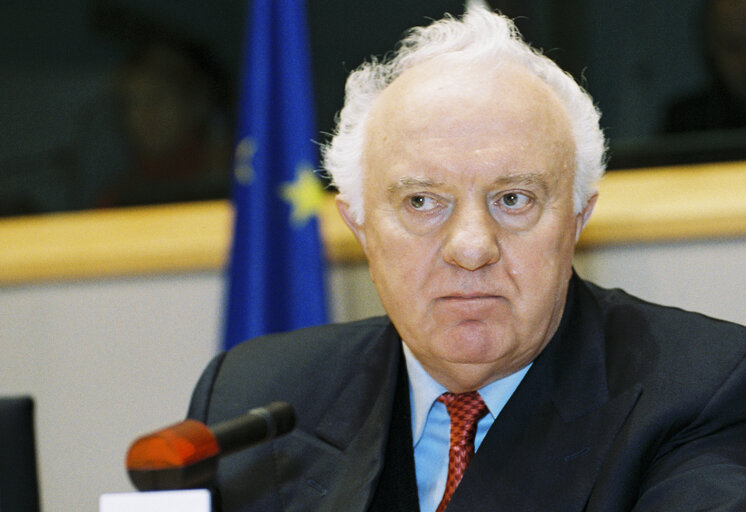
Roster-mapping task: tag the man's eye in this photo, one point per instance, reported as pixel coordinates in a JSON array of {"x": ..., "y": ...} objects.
[
  {"x": 422, "y": 203},
  {"x": 514, "y": 200}
]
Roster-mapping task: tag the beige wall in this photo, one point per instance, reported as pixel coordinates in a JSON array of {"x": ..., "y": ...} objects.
[
  {"x": 110, "y": 359},
  {"x": 106, "y": 361},
  {"x": 704, "y": 276}
]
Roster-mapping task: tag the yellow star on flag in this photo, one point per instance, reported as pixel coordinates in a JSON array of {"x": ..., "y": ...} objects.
[
  {"x": 243, "y": 171},
  {"x": 305, "y": 195}
]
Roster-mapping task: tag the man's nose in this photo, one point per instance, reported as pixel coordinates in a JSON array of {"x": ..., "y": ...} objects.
[{"x": 472, "y": 241}]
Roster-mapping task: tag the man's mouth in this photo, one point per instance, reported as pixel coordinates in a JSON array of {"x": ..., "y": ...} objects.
[{"x": 470, "y": 296}]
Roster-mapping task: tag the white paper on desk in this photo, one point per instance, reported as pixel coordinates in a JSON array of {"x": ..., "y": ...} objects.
[{"x": 195, "y": 500}]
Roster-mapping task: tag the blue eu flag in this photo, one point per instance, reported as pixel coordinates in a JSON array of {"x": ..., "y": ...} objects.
[{"x": 276, "y": 264}]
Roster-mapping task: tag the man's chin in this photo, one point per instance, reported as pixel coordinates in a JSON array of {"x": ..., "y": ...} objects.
[{"x": 475, "y": 343}]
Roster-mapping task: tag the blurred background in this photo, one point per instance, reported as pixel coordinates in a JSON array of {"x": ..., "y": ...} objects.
[{"x": 121, "y": 102}]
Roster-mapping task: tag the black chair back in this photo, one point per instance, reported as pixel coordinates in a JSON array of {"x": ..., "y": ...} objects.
[{"x": 19, "y": 487}]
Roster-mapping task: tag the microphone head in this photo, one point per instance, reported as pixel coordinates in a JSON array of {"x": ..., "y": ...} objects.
[
  {"x": 180, "y": 456},
  {"x": 185, "y": 455}
]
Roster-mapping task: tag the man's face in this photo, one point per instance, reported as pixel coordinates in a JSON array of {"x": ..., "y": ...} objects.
[{"x": 469, "y": 226}]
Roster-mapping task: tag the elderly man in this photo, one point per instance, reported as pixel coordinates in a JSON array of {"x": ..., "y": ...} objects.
[{"x": 499, "y": 380}]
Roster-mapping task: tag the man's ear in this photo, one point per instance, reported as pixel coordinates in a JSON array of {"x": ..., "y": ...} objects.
[
  {"x": 357, "y": 229},
  {"x": 582, "y": 218}
]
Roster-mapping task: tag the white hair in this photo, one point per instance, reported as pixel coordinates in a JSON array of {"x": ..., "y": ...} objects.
[{"x": 478, "y": 36}]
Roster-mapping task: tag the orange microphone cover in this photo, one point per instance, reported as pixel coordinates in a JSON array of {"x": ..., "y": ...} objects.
[
  {"x": 185, "y": 455},
  {"x": 178, "y": 445},
  {"x": 182, "y": 455}
]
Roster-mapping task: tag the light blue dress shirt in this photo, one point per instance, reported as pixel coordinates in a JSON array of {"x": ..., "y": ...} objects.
[{"x": 431, "y": 426}]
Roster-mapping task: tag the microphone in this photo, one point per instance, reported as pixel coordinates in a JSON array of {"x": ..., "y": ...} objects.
[{"x": 185, "y": 455}]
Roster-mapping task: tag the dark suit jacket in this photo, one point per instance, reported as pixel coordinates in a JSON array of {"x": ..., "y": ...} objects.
[{"x": 630, "y": 406}]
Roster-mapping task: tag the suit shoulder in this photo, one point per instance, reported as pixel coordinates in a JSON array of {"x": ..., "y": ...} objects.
[
  {"x": 313, "y": 363},
  {"x": 666, "y": 347},
  {"x": 620, "y": 308},
  {"x": 332, "y": 337}
]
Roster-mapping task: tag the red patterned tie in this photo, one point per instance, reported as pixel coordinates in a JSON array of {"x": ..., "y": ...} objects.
[{"x": 465, "y": 410}]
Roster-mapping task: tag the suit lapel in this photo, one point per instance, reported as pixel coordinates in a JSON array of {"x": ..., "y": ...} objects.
[
  {"x": 336, "y": 468},
  {"x": 547, "y": 446},
  {"x": 396, "y": 489}
]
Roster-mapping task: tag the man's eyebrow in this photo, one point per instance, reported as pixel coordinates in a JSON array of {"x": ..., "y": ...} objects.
[
  {"x": 522, "y": 178},
  {"x": 518, "y": 178},
  {"x": 411, "y": 182}
]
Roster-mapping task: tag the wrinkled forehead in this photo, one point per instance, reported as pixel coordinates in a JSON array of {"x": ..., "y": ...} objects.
[{"x": 470, "y": 100}]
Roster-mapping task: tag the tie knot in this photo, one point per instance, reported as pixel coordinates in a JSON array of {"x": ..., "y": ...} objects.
[{"x": 465, "y": 409}]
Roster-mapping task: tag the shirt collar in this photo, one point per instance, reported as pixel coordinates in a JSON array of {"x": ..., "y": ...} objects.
[{"x": 424, "y": 390}]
